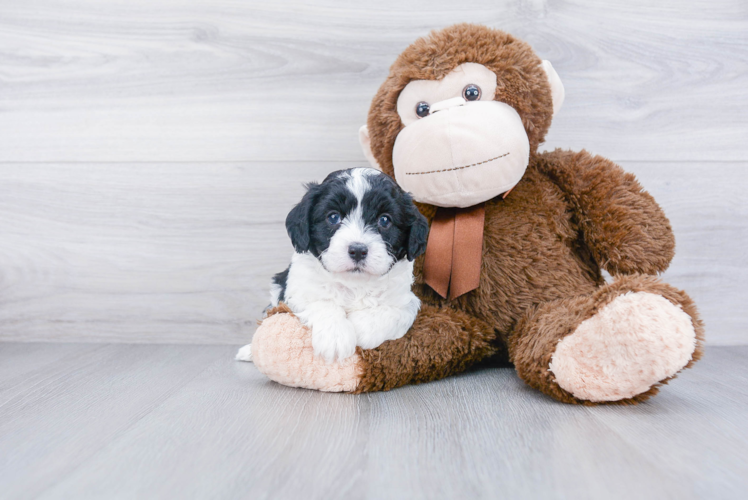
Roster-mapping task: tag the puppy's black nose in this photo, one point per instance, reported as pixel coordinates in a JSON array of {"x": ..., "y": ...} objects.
[{"x": 358, "y": 251}]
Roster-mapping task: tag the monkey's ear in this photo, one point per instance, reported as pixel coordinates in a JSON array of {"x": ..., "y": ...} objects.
[
  {"x": 297, "y": 222},
  {"x": 557, "y": 88},
  {"x": 365, "y": 140}
]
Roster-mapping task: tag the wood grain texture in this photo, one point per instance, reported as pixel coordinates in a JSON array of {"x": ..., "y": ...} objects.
[
  {"x": 184, "y": 253},
  {"x": 150, "y": 150},
  {"x": 223, "y": 80},
  {"x": 134, "y": 252},
  {"x": 61, "y": 414},
  {"x": 125, "y": 421}
]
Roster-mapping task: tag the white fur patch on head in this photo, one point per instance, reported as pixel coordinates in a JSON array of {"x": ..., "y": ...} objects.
[
  {"x": 354, "y": 231},
  {"x": 358, "y": 182},
  {"x": 631, "y": 344}
]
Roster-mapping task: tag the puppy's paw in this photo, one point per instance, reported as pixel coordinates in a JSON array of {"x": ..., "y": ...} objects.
[
  {"x": 373, "y": 327},
  {"x": 333, "y": 339},
  {"x": 370, "y": 332}
]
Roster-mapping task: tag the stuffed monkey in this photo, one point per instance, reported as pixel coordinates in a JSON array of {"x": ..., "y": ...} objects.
[{"x": 517, "y": 242}]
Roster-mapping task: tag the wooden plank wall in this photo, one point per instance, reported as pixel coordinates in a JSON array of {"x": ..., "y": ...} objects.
[{"x": 150, "y": 149}]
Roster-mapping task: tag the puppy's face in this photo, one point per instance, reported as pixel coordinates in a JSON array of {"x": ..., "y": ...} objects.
[{"x": 357, "y": 220}]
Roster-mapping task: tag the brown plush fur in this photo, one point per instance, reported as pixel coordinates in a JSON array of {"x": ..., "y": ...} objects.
[
  {"x": 544, "y": 245},
  {"x": 442, "y": 342}
]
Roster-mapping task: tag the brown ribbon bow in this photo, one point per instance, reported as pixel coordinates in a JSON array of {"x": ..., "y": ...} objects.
[{"x": 454, "y": 251}]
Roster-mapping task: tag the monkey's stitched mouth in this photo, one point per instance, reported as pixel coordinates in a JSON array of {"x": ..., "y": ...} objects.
[{"x": 456, "y": 168}]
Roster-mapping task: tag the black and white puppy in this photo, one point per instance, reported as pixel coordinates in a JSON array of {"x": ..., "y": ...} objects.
[{"x": 355, "y": 237}]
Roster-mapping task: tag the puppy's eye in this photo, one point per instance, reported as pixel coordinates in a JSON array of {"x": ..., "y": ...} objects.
[
  {"x": 333, "y": 218},
  {"x": 385, "y": 221},
  {"x": 422, "y": 109},
  {"x": 471, "y": 92}
]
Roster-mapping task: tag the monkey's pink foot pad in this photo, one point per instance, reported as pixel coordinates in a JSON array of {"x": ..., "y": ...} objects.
[{"x": 631, "y": 344}]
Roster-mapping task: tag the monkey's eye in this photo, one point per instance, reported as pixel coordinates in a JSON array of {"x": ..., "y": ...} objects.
[
  {"x": 422, "y": 109},
  {"x": 333, "y": 218},
  {"x": 471, "y": 92},
  {"x": 385, "y": 221}
]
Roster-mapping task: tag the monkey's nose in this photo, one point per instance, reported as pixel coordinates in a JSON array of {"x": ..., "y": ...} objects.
[
  {"x": 358, "y": 251},
  {"x": 446, "y": 104}
]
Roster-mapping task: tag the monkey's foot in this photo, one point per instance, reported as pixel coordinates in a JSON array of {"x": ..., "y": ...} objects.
[{"x": 634, "y": 342}]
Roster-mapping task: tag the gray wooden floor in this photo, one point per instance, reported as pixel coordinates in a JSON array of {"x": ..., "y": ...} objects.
[{"x": 166, "y": 421}]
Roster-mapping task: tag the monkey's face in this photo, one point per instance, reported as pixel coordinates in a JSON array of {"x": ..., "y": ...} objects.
[
  {"x": 459, "y": 146},
  {"x": 457, "y": 119}
]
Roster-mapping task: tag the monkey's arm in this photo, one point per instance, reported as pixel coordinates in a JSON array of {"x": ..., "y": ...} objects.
[
  {"x": 622, "y": 224},
  {"x": 441, "y": 342}
]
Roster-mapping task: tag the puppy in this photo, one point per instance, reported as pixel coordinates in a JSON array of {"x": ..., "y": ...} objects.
[{"x": 355, "y": 237}]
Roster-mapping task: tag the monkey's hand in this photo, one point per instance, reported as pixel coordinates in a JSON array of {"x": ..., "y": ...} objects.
[
  {"x": 623, "y": 226},
  {"x": 441, "y": 342}
]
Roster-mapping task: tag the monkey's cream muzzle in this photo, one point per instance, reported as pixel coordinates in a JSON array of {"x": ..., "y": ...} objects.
[{"x": 462, "y": 154}]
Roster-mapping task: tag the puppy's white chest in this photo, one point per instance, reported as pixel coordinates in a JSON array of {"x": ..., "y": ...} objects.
[{"x": 356, "y": 298}]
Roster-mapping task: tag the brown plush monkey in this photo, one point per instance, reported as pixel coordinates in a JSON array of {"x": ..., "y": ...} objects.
[{"x": 518, "y": 240}]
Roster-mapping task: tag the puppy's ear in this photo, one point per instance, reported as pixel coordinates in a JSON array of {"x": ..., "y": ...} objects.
[
  {"x": 419, "y": 233},
  {"x": 298, "y": 220}
]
